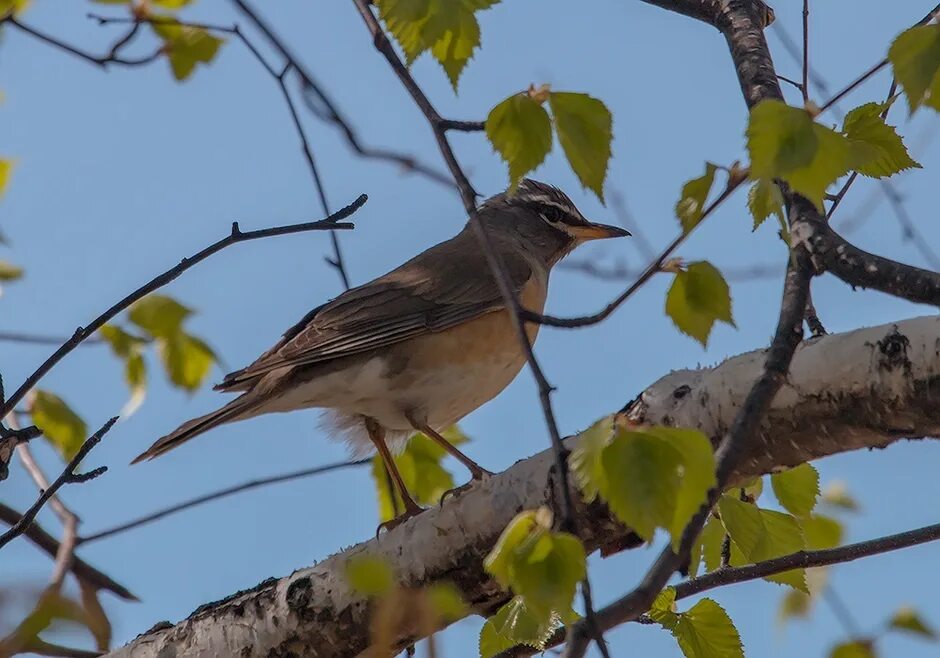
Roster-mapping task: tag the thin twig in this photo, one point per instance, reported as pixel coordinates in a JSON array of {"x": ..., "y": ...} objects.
[
  {"x": 68, "y": 476},
  {"x": 654, "y": 267},
  {"x": 234, "y": 237},
  {"x": 40, "y": 339},
  {"x": 216, "y": 495},
  {"x": 619, "y": 205},
  {"x": 50, "y": 545},
  {"x": 326, "y": 109},
  {"x": 620, "y": 272},
  {"x": 804, "y": 87}
]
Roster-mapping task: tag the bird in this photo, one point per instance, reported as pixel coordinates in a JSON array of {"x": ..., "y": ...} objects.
[{"x": 419, "y": 348}]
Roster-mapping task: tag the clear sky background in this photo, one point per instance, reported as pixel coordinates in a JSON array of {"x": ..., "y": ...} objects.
[{"x": 121, "y": 173}]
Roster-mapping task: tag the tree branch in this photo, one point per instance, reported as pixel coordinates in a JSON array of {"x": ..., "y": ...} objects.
[
  {"x": 864, "y": 389},
  {"x": 235, "y": 236}
]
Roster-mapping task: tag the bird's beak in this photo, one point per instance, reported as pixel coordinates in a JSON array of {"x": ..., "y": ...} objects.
[{"x": 598, "y": 232}]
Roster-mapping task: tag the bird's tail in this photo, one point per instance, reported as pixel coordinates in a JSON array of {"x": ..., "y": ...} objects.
[{"x": 239, "y": 408}]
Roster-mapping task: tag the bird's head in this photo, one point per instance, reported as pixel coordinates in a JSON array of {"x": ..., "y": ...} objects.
[{"x": 544, "y": 218}]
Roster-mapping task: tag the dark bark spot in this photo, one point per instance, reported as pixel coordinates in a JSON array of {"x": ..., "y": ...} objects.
[
  {"x": 894, "y": 348},
  {"x": 681, "y": 391},
  {"x": 298, "y": 595}
]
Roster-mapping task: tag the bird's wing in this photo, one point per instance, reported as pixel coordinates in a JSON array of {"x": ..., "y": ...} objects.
[{"x": 445, "y": 286}]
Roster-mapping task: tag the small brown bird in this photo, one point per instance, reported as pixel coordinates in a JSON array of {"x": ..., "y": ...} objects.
[{"x": 419, "y": 348}]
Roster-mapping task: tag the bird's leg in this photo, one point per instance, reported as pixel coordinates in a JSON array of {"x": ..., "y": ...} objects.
[
  {"x": 476, "y": 471},
  {"x": 377, "y": 435}
]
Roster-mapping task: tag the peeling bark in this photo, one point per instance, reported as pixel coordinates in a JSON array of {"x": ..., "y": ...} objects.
[{"x": 862, "y": 389}]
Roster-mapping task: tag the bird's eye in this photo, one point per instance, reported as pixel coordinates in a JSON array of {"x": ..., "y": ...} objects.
[{"x": 552, "y": 214}]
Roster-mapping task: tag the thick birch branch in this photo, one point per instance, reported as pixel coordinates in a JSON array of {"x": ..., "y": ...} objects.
[{"x": 863, "y": 389}]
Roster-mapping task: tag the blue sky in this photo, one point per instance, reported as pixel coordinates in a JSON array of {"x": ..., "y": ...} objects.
[{"x": 121, "y": 173}]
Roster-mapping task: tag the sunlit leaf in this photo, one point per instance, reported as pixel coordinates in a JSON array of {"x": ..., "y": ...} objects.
[
  {"x": 369, "y": 575},
  {"x": 909, "y": 620},
  {"x": 797, "y": 488},
  {"x": 877, "y": 149},
  {"x": 585, "y": 131},
  {"x": 794, "y": 604},
  {"x": 708, "y": 546},
  {"x": 836, "y": 494},
  {"x": 762, "y": 534},
  {"x": 13, "y": 6},
  {"x": 585, "y": 460},
  {"x": 784, "y": 142},
  {"x": 9, "y": 271},
  {"x": 59, "y": 424},
  {"x": 821, "y": 532},
  {"x": 159, "y": 315},
  {"x": 186, "y": 46},
  {"x": 703, "y": 631},
  {"x": 691, "y": 202},
  {"x": 915, "y": 58},
  {"x": 697, "y": 299},
  {"x": 446, "y": 602},
  {"x": 513, "y": 624},
  {"x": 520, "y": 131},
  {"x": 6, "y": 166},
  {"x": 186, "y": 359},
  {"x": 857, "y": 649},
  {"x": 763, "y": 200}
]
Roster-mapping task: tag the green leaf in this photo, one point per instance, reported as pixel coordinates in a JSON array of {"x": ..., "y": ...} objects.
[
  {"x": 520, "y": 131},
  {"x": 121, "y": 342},
  {"x": 420, "y": 466},
  {"x": 59, "y": 424},
  {"x": 763, "y": 200},
  {"x": 794, "y": 604},
  {"x": 6, "y": 166},
  {"x": 709, "y": 545},
  {"x": 784, "y": 142},
  {"x": 836, "y": 494},
  {"x": 171, "y": 5},
  {"x": 762, "y": 534},
  {"x": 856, "y": 649},
  {"x": 796, "y": 489},
  {"x": 663, "y": 610},
  {"x": 129, "y": 348},
  {"x": 654, "y": 478},
  {"x": 186, "y": 359},
  {"x": 907, "y": 619},
  {"x": 186, "y": 46},
  {"x": 698, "y": 298},
  {"x": 520, "y": 529},
  {"x": 691, "y": 202},
  {"x": 159, "y": 315},
  {"x": 13, "y": 6},
  {"x": 915, "y": 58},
  {"x": 447, "y": 602},
  {"x": 369, "y": 575},
  {"x": 754, "y": 489},
  {"x": 547, "y": 576},
  {"x": 585, "y": 131},
  {"x": 513, "y": 624},
  {"x": 706, "y": 631},
  {"x": 585, "y": 460},
  {"x": 9, "y": 271},
  {"x": 821, "y": 532},
  {"x": 448, "y": 28},
  {"x": 877, "y": 149}
]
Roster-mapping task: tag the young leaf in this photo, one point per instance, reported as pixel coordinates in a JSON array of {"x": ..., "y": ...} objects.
[
  {"x": 186, "y": 359},
  {"x": 692, "y": 198},
  {"x": 513, "y": 624},
  {"x": 12, "y": 6},
  {"x": 159, "y": 315},
  {"x": 446, "y": 602},
  {"x": 796, "y": 489},
  {"x": 521, "y": 132},
  {"x": 784, "y": 142},
  {"x": 663, "y": 610},
  {"x": 706, "y": 631},
  {"x": 522, "y": 527},
  {"x": 698, "y": 298},
  {"x": 762, "y": 534},
  {"x": 836, "y": 494},
  {"x": 129, "y": 348},
  {"x": 9, "y": 271},
  {"x": 708, "y": 546},
  {"x": 404, "y": 20},
  {"x": 907, "y": 619},
  {"x": 6, "y": 166},
  {"x": 59, "y": 424},
  {"x": 821, "y": 532},
  {"x": 186, "y": 46},
  {"x": 369, "y": 575},
  {"x": 877, "y": 150},
  {"x": 763, "y": 200},
  {"x": 584, "y": 127},
  {"x": 585, "y": 460},
  {"x": 915, "y": 58},
  {"x": 793, "y": 604},
  {"x": 856, "y": 649}
]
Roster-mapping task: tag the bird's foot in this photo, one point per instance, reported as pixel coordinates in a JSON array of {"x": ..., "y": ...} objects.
[
  {"x": 477, "y": 474},
  {"x": 390, "y": 525}
]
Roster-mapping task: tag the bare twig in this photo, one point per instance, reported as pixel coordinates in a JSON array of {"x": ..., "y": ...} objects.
[
  {"x": 216, "y": 495},
  {"x": 235, "y": 236},
  {"x": 39, "y": 339},
  {"x": 50, "y": 545},
  {"x": 804, "y": 86},
  {"x": 620, "y": 272},
  {"x": 68, "y": 476}
]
